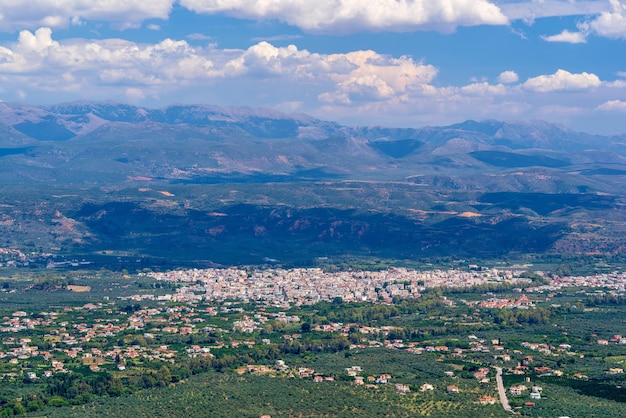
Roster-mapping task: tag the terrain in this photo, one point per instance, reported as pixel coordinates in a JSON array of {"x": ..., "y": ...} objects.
[
  {"x": 515, "y": 229},
  {"x": 208, "y": 185},
  {"x": 104, "y": 344}
]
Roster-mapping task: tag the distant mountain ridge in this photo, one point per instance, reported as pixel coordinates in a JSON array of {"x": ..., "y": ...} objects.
[
  {"x": 217, "y": 143},
  {"x": 78, "y": 118},
  {"x": 72, "y": 119},
  {"x": 242, "y": 184}
]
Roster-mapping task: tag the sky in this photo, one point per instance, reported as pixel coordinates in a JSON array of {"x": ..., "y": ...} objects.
[{"x": 401, "y": 63}]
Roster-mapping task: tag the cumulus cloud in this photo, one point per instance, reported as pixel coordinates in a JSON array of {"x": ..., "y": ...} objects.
[
  {"x": 562, "y": 81},
  {"x": 348, "y": 16},
  {"x": 363, "y": 86},
  {"x": 611, "y": 24},
  {"x": 613, "y": 106},
  {"x": 508, "y": 77},
  {"x": 567, "y": 37},
  {"x": 371, "y": 76},
  {"x": 606, "y": 18},
  {"x": 93, "y": 63},
  {"x": 16, "y": 15},
  {"x": 138, "y": 69}
]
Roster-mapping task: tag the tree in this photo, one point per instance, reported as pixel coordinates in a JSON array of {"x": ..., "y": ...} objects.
[
  {"x": 305, "y": 327},
  {"x": 163, "y": 376}
]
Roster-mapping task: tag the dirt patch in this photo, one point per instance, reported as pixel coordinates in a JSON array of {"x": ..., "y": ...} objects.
[{"x": 79, "y": 289}]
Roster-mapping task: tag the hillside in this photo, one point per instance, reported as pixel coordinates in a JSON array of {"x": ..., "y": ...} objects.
[{"x": 209, "y": 184}]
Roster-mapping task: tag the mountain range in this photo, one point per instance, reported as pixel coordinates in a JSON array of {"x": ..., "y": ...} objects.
[{"x": 308, "y": 187}]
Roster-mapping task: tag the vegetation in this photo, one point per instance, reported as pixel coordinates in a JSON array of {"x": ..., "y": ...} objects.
[{"x": 442, "y": 338}]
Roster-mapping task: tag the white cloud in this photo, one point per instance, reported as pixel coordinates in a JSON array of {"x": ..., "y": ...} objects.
[
  {"x": 613, "y": 106},
  {"x": 153, "y": 26},
  {"x": 536, "y": 9},
  {"x": 349, "y": 16},
  {"x": 38, "y": 42},
  {"x": 18, "y": 14},
  {"x": 606, "y": 18},
  {"x": 276, "y": 38},
  {"x": 198, "y": 37},
  {"x": 508, "y": 77},
  {"x": 358, "y": 75},
  {"x": 611, "y": 24},
  {"x": 484, "y": 89},
  {"x": 567, "y": 37},
  {"x": 139, "y": 70},
  {"x": 361, "y": 87},
  {"x": 475, "y": 79},
  {"x": 615, "y": 84},
  {"x": 561, "y": 81},
  {"x": 134, "y": 94},
  {"x": 371, "y": 76}
]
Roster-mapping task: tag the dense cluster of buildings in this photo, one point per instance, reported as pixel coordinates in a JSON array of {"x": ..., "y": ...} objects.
[
  {"x": 615, "y": 281},
  {"x": 311, "y": 285}
]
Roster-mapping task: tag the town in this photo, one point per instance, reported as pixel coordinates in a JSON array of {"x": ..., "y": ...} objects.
[
  {"x": 312, "y": 285},
  {"x": 260, "y": 319}
]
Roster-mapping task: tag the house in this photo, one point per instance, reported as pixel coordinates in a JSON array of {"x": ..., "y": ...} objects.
[
  {"x": 452, "y": 389},
  {"x": 535, "y": 395},
  {"x": 354, "y": 370},
  {"x": 517, "y": 390},
  {"x": 402, "y": 388},
  {"x": 426, "y": 386},
  {"x": 280, "y": 365},
  {"x": 305, "y": 372},
  {"x": 383, "y": 378},
  {"x": 487, "y": 400}
]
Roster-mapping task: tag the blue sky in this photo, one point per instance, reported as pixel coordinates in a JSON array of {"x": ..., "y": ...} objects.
[{"x": 404, "y": 63}]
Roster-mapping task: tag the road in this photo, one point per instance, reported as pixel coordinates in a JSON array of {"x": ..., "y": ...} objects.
[{"x": 501, "y": 391}]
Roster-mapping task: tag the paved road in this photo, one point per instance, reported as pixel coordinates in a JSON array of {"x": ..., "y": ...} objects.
[{"x": 501, "y": 391}]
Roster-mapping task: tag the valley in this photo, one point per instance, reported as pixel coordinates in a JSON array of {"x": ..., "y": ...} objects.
[{"x": 208, "y": 261}]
